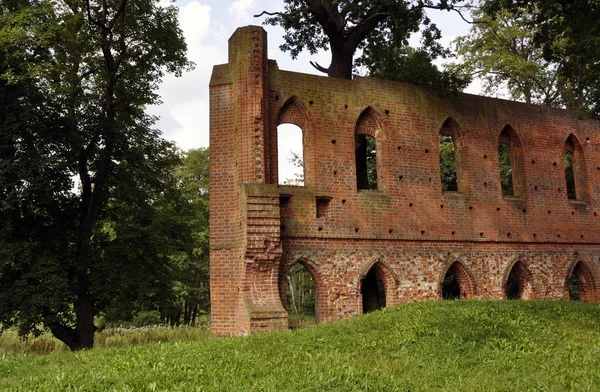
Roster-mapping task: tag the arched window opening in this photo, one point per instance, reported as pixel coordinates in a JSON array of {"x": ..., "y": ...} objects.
[
  {"x": 447, "y": 163},
  {"x": 506, "y": 173},
  {"x": 510, "y": 159},
  {"x": 518, "y": 284},
  {"x": 513, "y": 287},
  {"x": 581, "y": 284},
  {"x": 301, "y": 297},
  {"x": 366, "y": 162},
  {"x": 569, "y": 174},
  {"x": 457, "y": 283},
  {"x": 372, "y": 290},
  {"x": 290, "y": 155},
  {"x": 574, "y": 169},
  {"x": 450, "y": 289},
  {"x": 574, "y": 288}
]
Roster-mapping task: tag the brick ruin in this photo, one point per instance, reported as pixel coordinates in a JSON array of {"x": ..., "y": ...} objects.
[{"x": 409, "y": 233}]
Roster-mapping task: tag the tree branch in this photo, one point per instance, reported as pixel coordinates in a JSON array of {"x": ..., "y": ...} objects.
[{"x": 319, "y": 67}]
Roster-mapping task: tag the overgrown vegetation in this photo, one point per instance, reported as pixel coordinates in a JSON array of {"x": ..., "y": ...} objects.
[{"x": 445, "y": 345}]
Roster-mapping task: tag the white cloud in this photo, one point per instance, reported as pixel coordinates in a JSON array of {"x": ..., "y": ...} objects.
[
  {"x": 184, "y": 114},
  {"x": 240, "y": 10}
]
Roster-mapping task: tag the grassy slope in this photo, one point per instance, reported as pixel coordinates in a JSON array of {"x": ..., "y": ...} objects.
[{"x": 466, "y": 346}]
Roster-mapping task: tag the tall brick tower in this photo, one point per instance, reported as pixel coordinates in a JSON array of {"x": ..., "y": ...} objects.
[{"x": 244, "y": 210}]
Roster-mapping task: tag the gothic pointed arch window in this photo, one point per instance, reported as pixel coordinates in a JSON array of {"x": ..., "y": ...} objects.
[
  {"x": 581, "y": 283},
  {"x": 510, "y": 159},
  {"x": 457, "y": 282},
  {"x": 290, "y": 144},
  {"x": 449, "y": 154},
  {"x": 574, "y": 166},
  {"x": 366, "y": 151}
]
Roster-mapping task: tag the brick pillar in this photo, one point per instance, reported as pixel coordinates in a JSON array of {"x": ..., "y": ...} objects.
[{"x": 245, "y": 245}]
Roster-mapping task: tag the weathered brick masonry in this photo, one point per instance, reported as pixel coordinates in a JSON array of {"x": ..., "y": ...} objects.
[{"x": 408, "y": 230}]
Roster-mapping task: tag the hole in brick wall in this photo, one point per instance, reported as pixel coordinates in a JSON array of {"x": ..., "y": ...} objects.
[
  {"x": 391, "y": 231},
  {"x": 400, "y": 177},
  {"x": 282, "y": 228},
  {"x": 470, "y": 208},
  {"x": 290, "y": 154},
  {"x": 485, "y": 157},
  {"x": 558, "y": 236},
  {"x": 365, "y": 149},
  {"x": 410, "y": 205},
  {"x": 508, "y": 234},
  {"x": 559, "y": 189},
  {"x": 587, "y": 139},
  {"x": 387, "y": 111},
  {"x": 322, "y": 206},
  {"x": 481, "y": 234},
  {"x": 448, "y": 254},
  {"x": 356, "y": 229},
  {"x": 300, "y": 292},
  {"x": 454, "y": 232},
  {"x": 320, "y": 228},
  {"x": 429, "y": 179},
  {"x": 332, "y": 141},
  {"x": 284, "y": 201},
  {"x": 598, "y": 168},
  {"x": 343, "y": 201},
  {"x": 277, "y": 97},
  {"x": 581, "y": 236},
  {"x": 335, "y": 172},
  {"x": 485, "y": 184},
  {"x": 400, "y": 148},
  {"x": 532, "y": 161},
  {"x": 524, "y": 210},
  {"x": 310, "y": 102},
  {"x": 595, "y": 213},
  {"x": 457, "y": 283},
  {"x": 549, "y": 212},
  {"x": 447, "y": 157},
  {"x": 534, "y": 235},
  {"x": 372, "y": 290},
  {"x": 426, "y": 151},
  {"x": 441, "y": 206},
  {"x": 422, "y": 232},
  {"x": 572, "y": 212},
  {"x": 553, "y": 163},
  {"x": 535, "y": 188},
  {"x": 345, "y": 106},
  {"x": 497, "y": 208}
]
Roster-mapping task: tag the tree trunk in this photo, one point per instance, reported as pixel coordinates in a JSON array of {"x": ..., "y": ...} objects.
[
  {"x": 341, "y": 62},
  {"x": 82, "y": 336}
]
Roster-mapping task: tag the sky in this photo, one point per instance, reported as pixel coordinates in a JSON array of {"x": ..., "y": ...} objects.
[{"x": 207, "y": 25}]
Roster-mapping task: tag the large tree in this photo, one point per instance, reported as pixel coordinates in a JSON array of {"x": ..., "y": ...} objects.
[
  {"x": 346, "y": 26},
  {"x": 568, "y": 34},
  {"x": 80, "y": 73},
  {"x": 500, "y": 50}
]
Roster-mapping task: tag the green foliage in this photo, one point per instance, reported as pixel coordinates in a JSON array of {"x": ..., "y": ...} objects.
[
  {"x": 297, "y": 161},
  {"x": 447, "y": 163},
  {"x": 11, "y": 343},
  {"x": 506, "y": 178},
  {"x": 500, "y": 50},
  {"x": 74, "y": 83},
  {"x": 566, "y": 35},
  {"x": 569, "y": 174},
  {"x": 442, "y": 345},
  {"x": 301, "y": 291},
  {"x": 406, "y": 64},
  {"x": 345, "y": 26}
]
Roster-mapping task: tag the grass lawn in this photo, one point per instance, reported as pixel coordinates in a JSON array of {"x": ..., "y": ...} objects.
[{"x": 445, "y": 345}]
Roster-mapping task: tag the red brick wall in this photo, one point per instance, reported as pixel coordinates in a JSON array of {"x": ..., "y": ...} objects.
[{"x": 408, "y": 229}]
